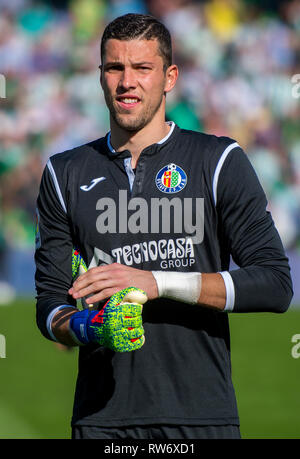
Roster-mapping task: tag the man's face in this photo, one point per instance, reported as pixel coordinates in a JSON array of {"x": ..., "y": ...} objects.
[{"x": 133, "y": 81}]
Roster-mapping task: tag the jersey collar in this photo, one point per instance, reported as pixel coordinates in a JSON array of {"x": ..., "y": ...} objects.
[{"x": 125, "y": 153}]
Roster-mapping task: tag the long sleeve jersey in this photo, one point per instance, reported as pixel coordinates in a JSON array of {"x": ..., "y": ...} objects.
[{"x": 193, "y": 203}]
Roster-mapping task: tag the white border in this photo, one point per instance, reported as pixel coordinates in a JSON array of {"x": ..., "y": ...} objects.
[
  {"x": 230, "y": 291},
  {"x": 52, "y": 172},
  {"x": 219, "y": 167},
  {"x": 172, "y": 125}
]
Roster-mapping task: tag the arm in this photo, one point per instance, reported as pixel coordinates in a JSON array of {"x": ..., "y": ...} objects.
[
  {"x": 61, "y": 327},
  {"x": 206, "y": 289},
  {"x": 53, "y": 255},
  {"x": 213, "y": 292},
  {"x": 118, "y": 325},
  {"x": 262, "y": 283}
]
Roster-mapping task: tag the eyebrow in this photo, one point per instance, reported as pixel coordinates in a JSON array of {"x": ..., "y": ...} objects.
[{"x": 113, "y": 63}]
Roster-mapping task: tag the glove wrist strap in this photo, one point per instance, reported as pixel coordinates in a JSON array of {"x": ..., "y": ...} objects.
[{"x": 79, "y": 327}]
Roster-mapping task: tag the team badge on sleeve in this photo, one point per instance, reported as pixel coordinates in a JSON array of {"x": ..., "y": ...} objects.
[{"x": 171, "y": 179}]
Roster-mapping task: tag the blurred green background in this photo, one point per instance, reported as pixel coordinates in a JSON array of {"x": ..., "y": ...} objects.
[
  {"x": 237, "y": 59},
  {"x": 38, "y": 378}
]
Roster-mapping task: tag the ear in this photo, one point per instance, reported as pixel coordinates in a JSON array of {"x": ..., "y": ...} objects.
[{"x": 171, "y": 77}]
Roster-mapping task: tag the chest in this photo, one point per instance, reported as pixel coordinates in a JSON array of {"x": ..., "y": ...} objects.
[{"x": 157, "y": 213}]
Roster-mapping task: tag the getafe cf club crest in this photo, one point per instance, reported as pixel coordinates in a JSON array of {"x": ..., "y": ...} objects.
[{"x": 171, "y": 179}]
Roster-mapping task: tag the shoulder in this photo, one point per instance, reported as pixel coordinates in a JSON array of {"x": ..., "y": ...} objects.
[
  {"x": 63, "y": 170},
  {"x": 211, "y": 151},
  {"x": 208, "y": 145},
  {"x": 78, "y": 155}
]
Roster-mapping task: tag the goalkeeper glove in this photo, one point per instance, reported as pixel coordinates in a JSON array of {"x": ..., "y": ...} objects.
[
  {"x": 117, "y": 326},
  {"x": 79, "y": 267},
  {"x": 78, "y": 264}
]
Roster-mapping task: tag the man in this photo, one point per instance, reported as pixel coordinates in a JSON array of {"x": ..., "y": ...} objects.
[{"x": 159, "y": 209}]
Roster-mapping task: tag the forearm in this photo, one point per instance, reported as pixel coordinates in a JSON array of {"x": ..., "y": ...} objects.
[
  {"x": 205, "y": 289},
  {"x": 263, "y": 288},
  {"x": 208, "y": 290},
  {"x": 213, "y": 291},
  {"x": 117, "y": 326},
  {"x": 212, "y": 294}
]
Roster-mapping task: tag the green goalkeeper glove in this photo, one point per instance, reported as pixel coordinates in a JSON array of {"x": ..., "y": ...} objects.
[
  {"x": 117, "y": 326},
  {"x": 78, "y": 264}
]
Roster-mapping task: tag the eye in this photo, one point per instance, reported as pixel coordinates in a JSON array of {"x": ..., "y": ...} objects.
[
  {"x": 144, "y": 68},
  {"x": 114, "y": 68}
]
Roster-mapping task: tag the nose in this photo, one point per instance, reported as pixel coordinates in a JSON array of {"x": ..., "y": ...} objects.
[{"x": 128, "y": 79}]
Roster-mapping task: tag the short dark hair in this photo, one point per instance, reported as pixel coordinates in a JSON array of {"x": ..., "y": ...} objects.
[{"x": 132, "y": 25}]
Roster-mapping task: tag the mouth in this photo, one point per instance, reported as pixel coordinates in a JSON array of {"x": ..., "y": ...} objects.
[{"x": 128, "y": 101}]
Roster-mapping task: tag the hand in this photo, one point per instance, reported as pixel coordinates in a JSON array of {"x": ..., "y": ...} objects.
[
  {"x": 117, "y": 326},
  {"x": 102, "y": 282}
]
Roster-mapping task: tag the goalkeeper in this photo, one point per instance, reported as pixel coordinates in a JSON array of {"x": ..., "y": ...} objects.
[{"x": 156, "y": 212}]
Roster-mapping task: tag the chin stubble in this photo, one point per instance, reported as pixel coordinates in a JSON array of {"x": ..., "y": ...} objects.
[{"x": 129, "y": 123}]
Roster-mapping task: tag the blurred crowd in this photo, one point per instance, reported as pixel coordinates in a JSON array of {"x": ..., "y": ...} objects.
[{"x": 239, "y": 71}]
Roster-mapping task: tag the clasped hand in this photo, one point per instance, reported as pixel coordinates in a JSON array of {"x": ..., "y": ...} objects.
[{"x": 101, "y": 282}]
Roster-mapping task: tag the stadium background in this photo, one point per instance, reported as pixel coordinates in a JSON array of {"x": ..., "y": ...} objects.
[{"x": 237, "y": 59}]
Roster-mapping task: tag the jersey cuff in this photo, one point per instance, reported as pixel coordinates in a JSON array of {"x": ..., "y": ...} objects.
[
  {"x": 230, "y": 291},
  {"x": 50, "y": 318}
]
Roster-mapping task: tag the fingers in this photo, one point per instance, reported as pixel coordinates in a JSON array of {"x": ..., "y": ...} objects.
[
  {"x": 137, "y": 343},
  {"x": 113, "y": 278},
  {"x": 125, "y": 331},
  {"x": 135, "y": 333},
  {"x": 125, "y": 340},
  {"x": 128, "y": 295},
  {"x": 91, "y": 282},
  {"x": 132, "y": 322},
  {"x": 99, "y": 284},
  {"x": 97, "y": 297},
  {"x": 131, "y": 309},
  {"x": 132, "y": 339},
  {"x": 131, "y": 345},
  {"x": 127, "y": 316},
  {"x": 96, "y": 274}
]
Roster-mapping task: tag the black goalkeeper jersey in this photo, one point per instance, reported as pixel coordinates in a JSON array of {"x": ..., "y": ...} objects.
[{"x": 193, "y": 202}]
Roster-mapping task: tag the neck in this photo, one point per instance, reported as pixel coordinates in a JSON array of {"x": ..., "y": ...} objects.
[{"x": 136, "y": 141}]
